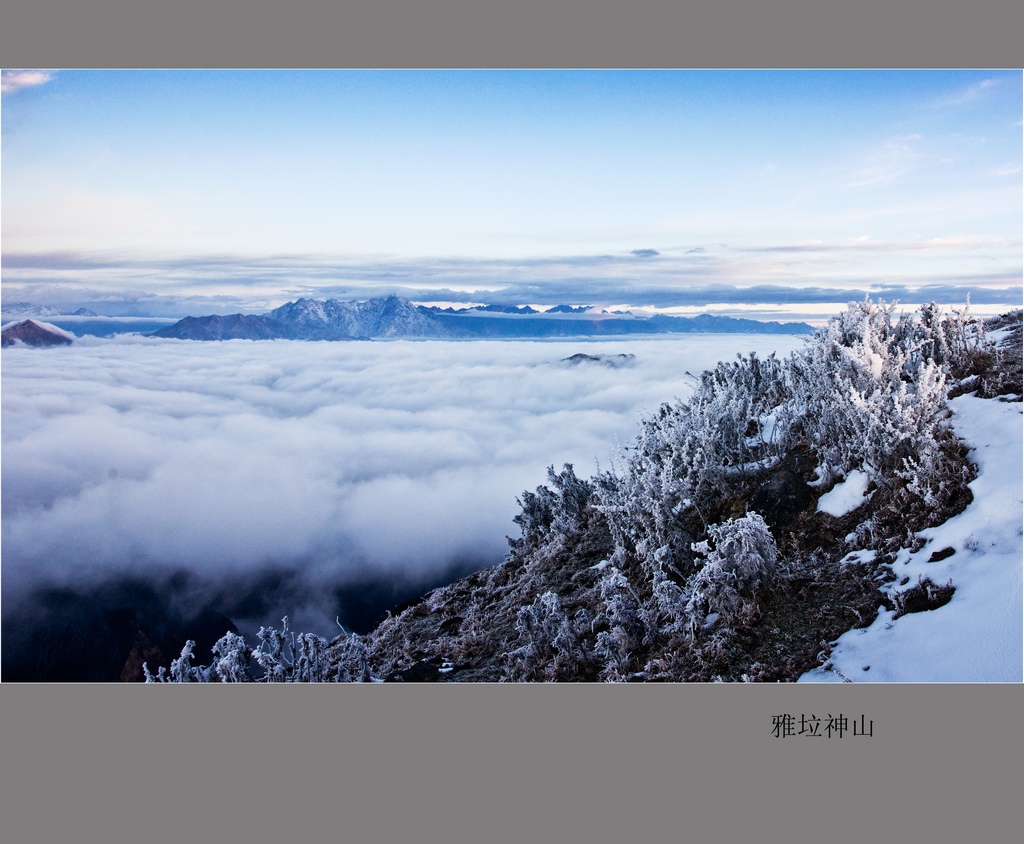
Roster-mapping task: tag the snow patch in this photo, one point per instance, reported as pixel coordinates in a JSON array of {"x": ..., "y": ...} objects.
[
  {"x": 862, "y": 556},
  {"x": 977, "y": 636},
  {"x": 846, "y": 496}
]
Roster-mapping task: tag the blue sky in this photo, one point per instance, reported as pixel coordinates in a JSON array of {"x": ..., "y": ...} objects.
[{"x": 201, "y": 192}]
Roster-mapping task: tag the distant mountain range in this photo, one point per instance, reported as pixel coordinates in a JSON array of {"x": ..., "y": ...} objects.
[
  {"x": 393, "y": 317},
  {"x": 26, "y": 310}
]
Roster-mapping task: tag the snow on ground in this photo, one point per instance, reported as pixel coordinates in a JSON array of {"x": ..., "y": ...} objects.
[
  {"x": 845, "y": 497},
  {"x": 976, "y": 637}
]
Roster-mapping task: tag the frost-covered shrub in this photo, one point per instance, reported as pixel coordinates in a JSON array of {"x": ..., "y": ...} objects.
[
  {"x": 473, "y": 636},
  {"x": 390, "y": 646},
  {"x": 691, "y": 458},
  {"x": 638, "y": 509},
  {"x": 631, "y": 626},
  {"x": 736, "y": 407},
  {"x": 867, "y": 394},
  {"x": 288, "y": 657},
  {"x": 653, "y": 500},
  {"x": 349, "y": 659},
  {"x": 281, "y": 655},
  {"x": 231, "y": 664},
  {"x": 269, "y": 653},
  {"x": 559, "y": 508},
  {"x": 954, "y": 341},
  {"x": 310, "y": 663},
  {"x": 740, "y": 556},
  {"x": 181, "y": 670},
  {"x": 551, "y": 648}
]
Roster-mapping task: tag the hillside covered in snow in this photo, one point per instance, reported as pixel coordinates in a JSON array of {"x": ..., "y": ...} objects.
[{"x": 851, "y": 512}]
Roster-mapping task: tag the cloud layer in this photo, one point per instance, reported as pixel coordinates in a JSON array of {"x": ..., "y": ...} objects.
[
  {"x": 943, "y": 269},
  {"x": 304, "y": 465}
]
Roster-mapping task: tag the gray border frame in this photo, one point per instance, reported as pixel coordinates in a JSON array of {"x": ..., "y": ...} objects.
[
  {"x": 530, "y": 33},
  {"x": 492, "y": 763}
]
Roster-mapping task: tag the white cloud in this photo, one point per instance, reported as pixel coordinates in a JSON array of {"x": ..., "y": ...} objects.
[
  {"x": 889, "y": 161},
  {"x": 339, "y": 460},
  {"x": 14, "y": 80},
  {"x": 968, "y": 94}
]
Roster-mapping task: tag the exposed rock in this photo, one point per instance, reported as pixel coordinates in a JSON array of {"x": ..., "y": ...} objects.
[
  {"x": 925, "y": 596},
  {"x": 781, "y": 498},
  {"x": 941, "y": 555}
]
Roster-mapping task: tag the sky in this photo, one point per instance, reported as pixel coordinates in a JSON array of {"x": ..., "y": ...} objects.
[{"x": 195, "y": 192}]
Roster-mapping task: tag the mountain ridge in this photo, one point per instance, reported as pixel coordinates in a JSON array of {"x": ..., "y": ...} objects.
[
  {"x": 26, "y": 310},
  {"x": 394, "y": 317}
]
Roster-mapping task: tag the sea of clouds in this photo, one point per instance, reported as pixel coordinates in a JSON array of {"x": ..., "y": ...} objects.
[{"x": 320, "y": 480}]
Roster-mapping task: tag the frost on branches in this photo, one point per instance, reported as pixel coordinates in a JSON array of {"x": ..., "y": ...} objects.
[
  {"x": 740, "y": 556},
  {"x": 556, "y": 510},
  {"x": 281, "y": 656},
  {"x": 869, "y": 394},
  {"x": 692, "y": 566},
  {"x": 551, "y": 648}
]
